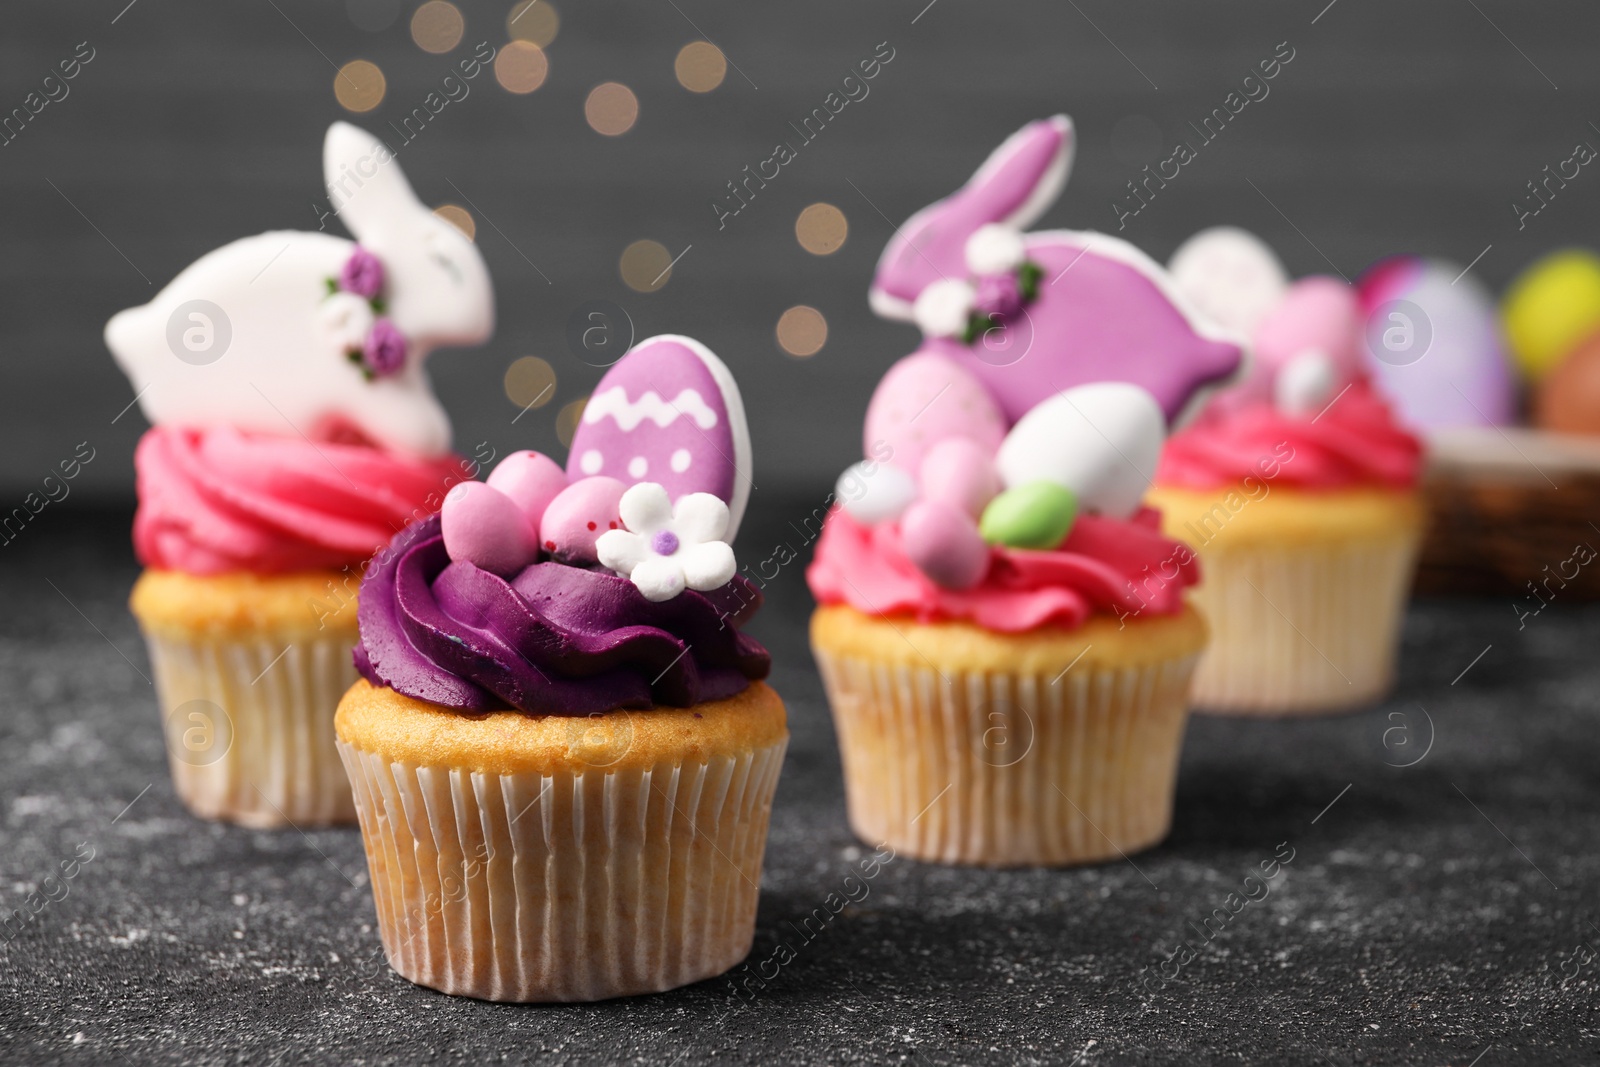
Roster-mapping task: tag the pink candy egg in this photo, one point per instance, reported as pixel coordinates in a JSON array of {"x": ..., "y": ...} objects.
[
  {"x": 960, "y": 472},
  {"x": 577, "y": 517},
  {"x": 943, "y": 541},
  {"x": 483, "y": 526},
  {"x": 924, "y": 399},
  {"x": 531, "y": 480},
  {"x": 1318, "y": 313}
]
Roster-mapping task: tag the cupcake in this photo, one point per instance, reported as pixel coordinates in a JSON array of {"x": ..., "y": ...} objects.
[
  {"x": 562, "y": 748},
  {"x": 1297, "y": 487},
  {"x": 1002, "y": 627},
  {"x": 293, "y": 434}
]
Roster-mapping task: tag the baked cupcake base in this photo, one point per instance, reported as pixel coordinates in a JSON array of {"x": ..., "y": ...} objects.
[
  {"x": 553, "y": 858},
  {"x": 1046, "y": 748},
  {"x": 1304, "y": 592},
  {"x": 248, "y": 672}
]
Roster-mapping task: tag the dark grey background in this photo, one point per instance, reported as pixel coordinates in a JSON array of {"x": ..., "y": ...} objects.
[
  {"x": 1443, "y": 912},
  {"x": 1398, "y": 127}
]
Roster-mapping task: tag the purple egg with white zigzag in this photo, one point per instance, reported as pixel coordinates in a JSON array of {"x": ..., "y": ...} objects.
[{"x": 668, "y": 412}]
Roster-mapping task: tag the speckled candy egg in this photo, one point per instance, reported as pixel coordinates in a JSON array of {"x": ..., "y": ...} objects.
[
  {"x": 1319, "y": 314},
  {"x": 483, "y": 526},
  {"x": 1432, "y": 344},
  {"x": 924, "y": 399},
  {"x": 960, "y": 472},
  {"x": 668, "y": 412},
  {"x": 531, "y": 479},
  {"x": 577, "y": 517},
  {"x": 943, "y": 541}
]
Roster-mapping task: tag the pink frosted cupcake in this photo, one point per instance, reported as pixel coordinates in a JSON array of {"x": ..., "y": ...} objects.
[
  {"x": 294, "y": 433},
  {"x": 1002, "y": 626},
  {"x": 1298, "y": 488}
]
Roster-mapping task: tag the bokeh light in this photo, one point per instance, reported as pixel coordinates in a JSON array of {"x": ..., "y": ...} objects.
[
  {"x": 521, "y": 67},
  {"x": 646, "y": 266},
  {"x": 359, "y": 85},
  {"x": 437, "y": 26},
  {"x": 611, "y": 108},
  {"x": 534, "y": 21},
  {"x": 700, "y": 66},
  {"x": 459, "y": 217},
  {"x": 821, "y": 229},
  {"x": 802, "y": 331},
  {"x": 530, "y": 382},
  {"x": 567, "y": 420}
]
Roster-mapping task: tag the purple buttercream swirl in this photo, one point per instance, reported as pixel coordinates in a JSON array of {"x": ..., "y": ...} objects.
[{"x": 554, "y": 640}]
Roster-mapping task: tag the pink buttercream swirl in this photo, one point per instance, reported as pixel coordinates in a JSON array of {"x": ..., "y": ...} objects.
[
  {"x": 218, "y": 500},
  {"x": 1105, "y": 567},
  {"x": 1355, "y": 441}
]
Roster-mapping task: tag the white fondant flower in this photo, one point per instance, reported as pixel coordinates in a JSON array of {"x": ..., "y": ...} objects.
[
  {"x": 347, "y": 318},
  {"x": 943, "y": 308},
  {"x": 995, "y": 249},
  {"x": 668, "y": 548}
]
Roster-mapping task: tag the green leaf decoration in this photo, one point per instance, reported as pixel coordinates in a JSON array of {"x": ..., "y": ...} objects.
[
  {"x": 333, "y": 285},
  {"x": 1028, "y": 276}
]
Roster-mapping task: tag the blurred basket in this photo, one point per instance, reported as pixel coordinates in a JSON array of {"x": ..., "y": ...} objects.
[{"x": 1510, "y": 507}]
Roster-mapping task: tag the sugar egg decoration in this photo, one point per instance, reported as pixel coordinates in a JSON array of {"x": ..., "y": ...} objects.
[
  {"x": 1101, "y": 441},
  {"x": 926, "y": 398},
  {"x": 1432, "y": 343},
  {"x": 1552, "y": 307}
]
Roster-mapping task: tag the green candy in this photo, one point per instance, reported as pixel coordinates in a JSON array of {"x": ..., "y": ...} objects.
[{"x": 1037, "y": 515}]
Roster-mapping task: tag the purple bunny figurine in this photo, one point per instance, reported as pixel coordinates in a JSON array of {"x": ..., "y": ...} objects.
[{"x": 1033, "y": 314}]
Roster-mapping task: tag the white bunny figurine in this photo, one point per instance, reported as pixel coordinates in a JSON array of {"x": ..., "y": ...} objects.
[{"x": 294, "y": 333}]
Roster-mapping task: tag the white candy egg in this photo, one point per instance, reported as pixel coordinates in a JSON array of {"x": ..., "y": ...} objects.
[
  {"x": 1305, "y": 384},
  {"x": 874, "y": 492},
  {"x": 1101, "y": 441}
]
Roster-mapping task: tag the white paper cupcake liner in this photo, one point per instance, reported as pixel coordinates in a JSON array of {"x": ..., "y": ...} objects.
[
  {"x": 1301, "y": 629},
  {"x": 578, "y": 886},
  {"x": 997, "y": 769},
  {"x": 249, "y": 726}
]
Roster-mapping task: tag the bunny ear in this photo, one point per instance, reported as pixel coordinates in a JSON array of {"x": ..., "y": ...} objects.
[
  {"x": 365, "y": 183},
  {"x": 1015, "y": 185}
]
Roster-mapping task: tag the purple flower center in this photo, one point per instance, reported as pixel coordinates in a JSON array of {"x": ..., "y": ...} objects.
[
  {"x": 362, "y": 274},
  {"x": 384, "y": 351},
  {"x": 665, "y": 543},
  {"x": 998, "y": 294}
]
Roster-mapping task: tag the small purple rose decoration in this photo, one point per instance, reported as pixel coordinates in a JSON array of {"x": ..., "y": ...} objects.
[
  {"x": 384, "y": 351},
  {"x": 998, "y": 294},
  {"x": 362, "y": 274}
]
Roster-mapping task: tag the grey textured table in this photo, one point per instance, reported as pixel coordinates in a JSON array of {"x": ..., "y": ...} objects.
[{"x": 1432, "y": 913}]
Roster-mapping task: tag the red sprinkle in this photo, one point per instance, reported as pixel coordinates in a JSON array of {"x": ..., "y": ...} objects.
[
  {"x": 550, "y": 546},
  {"x": 612, "y": 525},
  {"x": 591, "y": 526}
]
